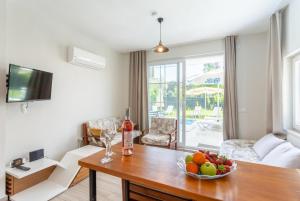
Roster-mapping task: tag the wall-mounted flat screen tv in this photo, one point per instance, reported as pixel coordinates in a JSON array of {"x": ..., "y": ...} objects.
[{"x": 26, "y": 84}]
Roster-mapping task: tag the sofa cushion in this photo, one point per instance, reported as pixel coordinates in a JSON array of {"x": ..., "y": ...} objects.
[
  {"x": 105, "y": 123},
  {"x": 284, "y": 155},
  {"x": 237, "y": 149},
  {"x": 95, "y": 128},
  {"x": 155, "y": 139},
  {"x": 263, "y": 146},
  {"x": 96, "y": 132}
]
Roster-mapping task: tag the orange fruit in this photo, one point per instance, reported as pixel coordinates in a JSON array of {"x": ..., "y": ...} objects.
[
  {"x": 192, "y": 168},
  {"x": 199, "y": 158}
]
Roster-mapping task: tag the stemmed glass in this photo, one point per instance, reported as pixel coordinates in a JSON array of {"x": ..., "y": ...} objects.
[{"x": 107, "y": 136}]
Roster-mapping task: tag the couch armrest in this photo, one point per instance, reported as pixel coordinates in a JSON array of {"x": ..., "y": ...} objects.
[{"x": 85, "y": 138}]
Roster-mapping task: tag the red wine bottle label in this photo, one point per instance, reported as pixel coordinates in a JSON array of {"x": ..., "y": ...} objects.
[{"x": 128, "y": 140}]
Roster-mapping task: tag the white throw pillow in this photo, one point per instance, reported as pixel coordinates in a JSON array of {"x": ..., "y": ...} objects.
[
  {"x": 284, "y": 155},
  {"x": 264, "y": 145}
]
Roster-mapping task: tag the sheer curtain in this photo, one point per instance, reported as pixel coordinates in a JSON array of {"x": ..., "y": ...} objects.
[
  {"x": 230, "y": 90},
  {"x": 138, "y": 95},
  {"x": 275, "y": 76}
]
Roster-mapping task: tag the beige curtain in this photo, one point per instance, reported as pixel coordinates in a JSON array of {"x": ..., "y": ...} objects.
[
  {"x": 275, "y": 76},
  {"x": 138, "y": 96},
  {"x": 230, "y": 91}
]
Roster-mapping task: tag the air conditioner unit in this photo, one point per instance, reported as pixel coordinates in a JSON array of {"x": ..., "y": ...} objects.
[{"x": 84, "y": 58}]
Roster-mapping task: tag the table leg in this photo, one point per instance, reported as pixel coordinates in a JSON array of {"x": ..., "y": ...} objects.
[
  {"x": 125, "y": 189},
  {"x": 93, "y": 186}
]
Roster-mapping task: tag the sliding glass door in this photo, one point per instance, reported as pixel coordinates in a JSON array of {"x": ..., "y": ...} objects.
[
  {"x": 204, "y": 101},
  {"x": 190, "y": 90}
]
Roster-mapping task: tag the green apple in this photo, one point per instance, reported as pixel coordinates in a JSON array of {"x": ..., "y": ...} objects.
[
  {"x": 208, "y": 169},
  {"x": 188, "y": 158}
]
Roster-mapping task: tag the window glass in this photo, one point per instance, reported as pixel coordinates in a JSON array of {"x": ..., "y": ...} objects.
[
  {"x": 162, "y": 90},
  {"x": 204, "y": 101}
]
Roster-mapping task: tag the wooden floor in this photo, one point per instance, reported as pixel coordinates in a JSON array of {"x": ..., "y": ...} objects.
[{"x": 108, "y": 189}]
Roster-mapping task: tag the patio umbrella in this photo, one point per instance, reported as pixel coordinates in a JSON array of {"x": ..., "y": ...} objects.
[{"x": 203, "y": 90}]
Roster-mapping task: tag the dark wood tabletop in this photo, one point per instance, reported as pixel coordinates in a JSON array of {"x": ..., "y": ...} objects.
[{"x": 156, "y": 168}]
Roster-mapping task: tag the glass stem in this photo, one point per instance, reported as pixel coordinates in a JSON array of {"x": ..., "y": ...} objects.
[{"x": 107, "y": 150}]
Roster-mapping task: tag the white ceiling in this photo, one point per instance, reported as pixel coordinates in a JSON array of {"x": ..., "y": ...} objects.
[{"x": 128, "y": 25}]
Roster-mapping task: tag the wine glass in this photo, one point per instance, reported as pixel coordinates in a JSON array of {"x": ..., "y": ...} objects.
[{"x": 107, "y": 136}]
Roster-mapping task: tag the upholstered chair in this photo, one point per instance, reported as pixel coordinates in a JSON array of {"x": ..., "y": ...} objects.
[{"x": 162, "y": 133}]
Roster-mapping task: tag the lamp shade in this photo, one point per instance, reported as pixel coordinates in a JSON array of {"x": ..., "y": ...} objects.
[{"x": 160, "y": 48}]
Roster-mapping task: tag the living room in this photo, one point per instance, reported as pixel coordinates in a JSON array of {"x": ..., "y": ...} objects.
[{"x": 224, "y": 71}]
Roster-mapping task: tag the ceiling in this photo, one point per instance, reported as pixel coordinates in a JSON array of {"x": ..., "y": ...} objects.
[{"x": 127, "y": 25}]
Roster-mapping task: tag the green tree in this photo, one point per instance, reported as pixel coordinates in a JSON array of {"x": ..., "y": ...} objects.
[
  {"x": 154, "y": 92},
  {"x": 210, "y": 67}
]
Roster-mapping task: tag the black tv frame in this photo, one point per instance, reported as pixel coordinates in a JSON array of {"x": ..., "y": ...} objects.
[{"x": 24, "y": 101}]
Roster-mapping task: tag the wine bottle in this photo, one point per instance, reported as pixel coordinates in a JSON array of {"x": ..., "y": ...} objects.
[{"x": 127, "y": 138}]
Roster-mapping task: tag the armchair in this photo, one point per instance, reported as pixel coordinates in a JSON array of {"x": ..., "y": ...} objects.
[{"x": 163, "y": 133}]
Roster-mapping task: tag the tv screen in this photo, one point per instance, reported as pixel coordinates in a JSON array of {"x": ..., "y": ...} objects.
[{"x": 26, "y": 84}]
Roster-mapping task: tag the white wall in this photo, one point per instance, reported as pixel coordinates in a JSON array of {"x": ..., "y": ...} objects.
[
  {"x": 251, "y": 76},
  {"x": 78, "y": 94},
  {"x": 291, "y": 33},
  {"x": 2, "y": 95},
  {"x": 251, "y": 84}
]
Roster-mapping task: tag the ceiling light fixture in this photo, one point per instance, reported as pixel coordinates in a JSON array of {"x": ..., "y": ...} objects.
[{"x": 160, "y": 48}]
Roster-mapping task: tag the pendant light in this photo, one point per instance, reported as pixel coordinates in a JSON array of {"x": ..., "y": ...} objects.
[{"x": 160, "y": 48}]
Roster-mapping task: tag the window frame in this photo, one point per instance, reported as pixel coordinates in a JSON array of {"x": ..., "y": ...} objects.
[
  {"x": 295, "y": 78},
  {"x": 288, "y": 95}
]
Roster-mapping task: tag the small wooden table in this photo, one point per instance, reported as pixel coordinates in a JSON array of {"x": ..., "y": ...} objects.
[{"x": 152, "y": 174}]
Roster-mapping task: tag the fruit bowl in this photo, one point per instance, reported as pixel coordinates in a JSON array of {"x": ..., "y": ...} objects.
[
  {"x": 204, "y": 164},
  {"x": 182, "y": 165}
]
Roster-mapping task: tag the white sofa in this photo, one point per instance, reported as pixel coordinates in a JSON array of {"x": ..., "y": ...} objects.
[{"x": 269, "y": 150}]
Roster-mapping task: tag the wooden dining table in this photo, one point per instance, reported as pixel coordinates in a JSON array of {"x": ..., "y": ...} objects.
[{"x": 152, "y": 174}]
